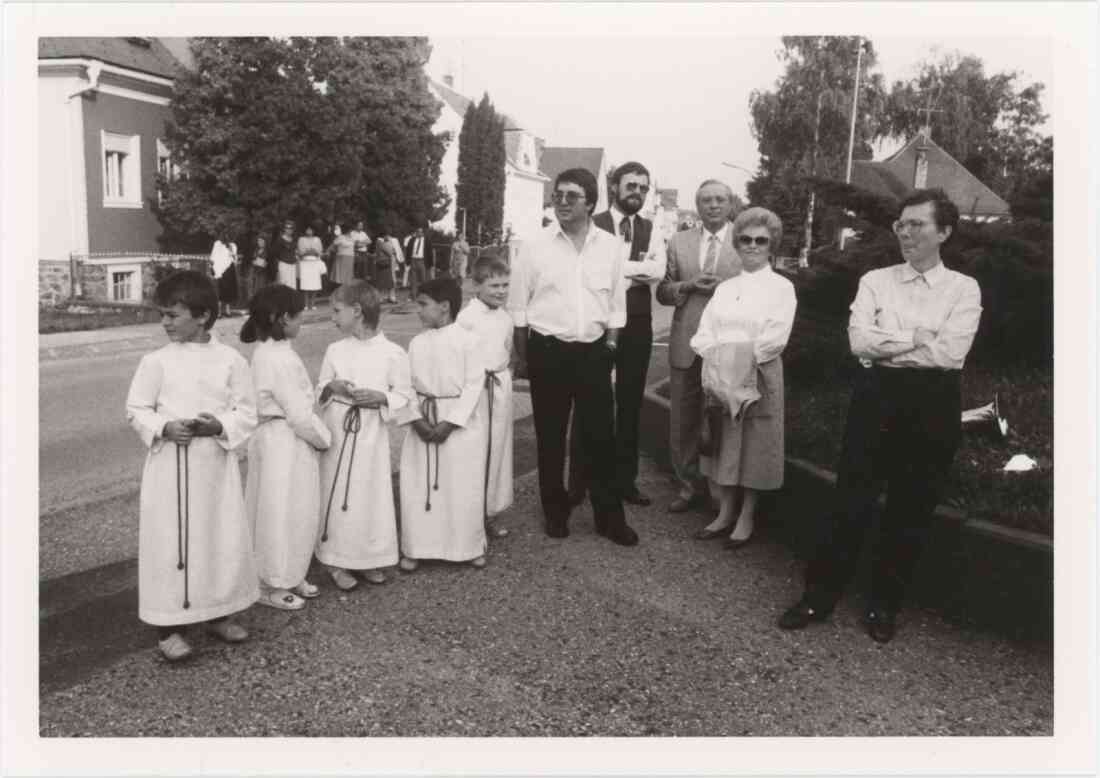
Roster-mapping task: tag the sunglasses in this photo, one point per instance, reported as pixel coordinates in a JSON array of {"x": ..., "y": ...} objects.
[
  {"x": 632, "y": 187},
  {"x": 748, "y": 240},
  {"x": 571, "y": 198}
]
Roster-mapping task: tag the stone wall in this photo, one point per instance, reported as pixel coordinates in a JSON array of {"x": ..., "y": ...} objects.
[
  {"x": 93, "y": 282},
  {"x": 54, "y": 283}
]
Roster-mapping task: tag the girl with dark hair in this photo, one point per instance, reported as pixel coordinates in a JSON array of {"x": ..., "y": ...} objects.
[{"x": 283, "y": 492}]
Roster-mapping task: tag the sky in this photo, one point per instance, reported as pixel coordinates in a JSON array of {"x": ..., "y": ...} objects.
[{"x": 680, "y": 105}]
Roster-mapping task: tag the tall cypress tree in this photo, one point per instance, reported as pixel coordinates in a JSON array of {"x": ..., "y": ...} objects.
[{"x": 479, "y": 191}]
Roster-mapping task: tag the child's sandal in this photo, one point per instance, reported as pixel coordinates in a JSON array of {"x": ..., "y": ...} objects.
[
  {"x": 282, "y": 599},
  {"x": 408, "y": 565},
  {"x": 307, "y": 590},
  {"x": 229, "y": 631},
  {"x": 344, "y": 580},
  {"x": 374, "y": 577},
  {"x": 478, "y": 563},
  {"x": 174, "y": 648}
]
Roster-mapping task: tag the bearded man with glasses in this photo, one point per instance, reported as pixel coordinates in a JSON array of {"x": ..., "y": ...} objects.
[
  {"x": 568, "y": 301},
  {"x": 911, "y": 327}
]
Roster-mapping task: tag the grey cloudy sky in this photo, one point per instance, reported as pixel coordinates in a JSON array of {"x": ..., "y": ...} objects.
[{"x": 678, "y": 104}]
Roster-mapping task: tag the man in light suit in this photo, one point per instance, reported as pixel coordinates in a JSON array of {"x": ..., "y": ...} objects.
[{"x": 698, "y": 260}]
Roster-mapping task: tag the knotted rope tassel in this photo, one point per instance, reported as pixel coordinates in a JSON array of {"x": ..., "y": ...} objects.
[
  {"x": 183, "y": 517},
  {"x": 429, "y": 411},
  {"x": 352, "y": 424},
  {"x": 491, "y": 380}
]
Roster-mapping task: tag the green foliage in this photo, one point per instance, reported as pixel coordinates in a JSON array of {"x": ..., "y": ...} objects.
[
  {"x": 266, "y": 129},
  {"x": 479, "y": 192}
]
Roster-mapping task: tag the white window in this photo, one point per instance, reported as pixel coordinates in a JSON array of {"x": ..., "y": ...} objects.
[
  {"x": 121, "y": 170},
  {"x": 125, "y": 283}
]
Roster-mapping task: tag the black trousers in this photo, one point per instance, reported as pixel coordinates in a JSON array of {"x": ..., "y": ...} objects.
[
  {"x": 903, "y": 427},
  {"x": 631, "y": 366},
  {"x": 574, "y": 375}
]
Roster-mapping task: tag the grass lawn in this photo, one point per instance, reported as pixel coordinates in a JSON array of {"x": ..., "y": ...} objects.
[{"x": 818, "y": 365}]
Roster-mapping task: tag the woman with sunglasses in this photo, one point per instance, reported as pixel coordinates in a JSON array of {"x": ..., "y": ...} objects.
[{"x": 744, "y": 329}]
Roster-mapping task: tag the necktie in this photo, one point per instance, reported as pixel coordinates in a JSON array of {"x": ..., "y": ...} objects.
[
  {"x": 625, "y": 230},
  {"x": 710, "y": 264}
]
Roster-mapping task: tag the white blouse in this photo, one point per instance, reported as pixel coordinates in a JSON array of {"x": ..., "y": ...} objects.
[{"x": 749, "y": 307}]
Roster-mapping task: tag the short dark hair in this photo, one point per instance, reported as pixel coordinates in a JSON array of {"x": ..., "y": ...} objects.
[
  {"x": 444, "y": 290},
  {"x": 192, "y": 289},
  {"x": 585, "y": 180},
  {"x": 487, "y": 267},
  {"x": 367, "y": 297},
  {"x": 945, "y": 212},
  {"x": 264, "y": 310},
  {"x": 637, "y": 168}
]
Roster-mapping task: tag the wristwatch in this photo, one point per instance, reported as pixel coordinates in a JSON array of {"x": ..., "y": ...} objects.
[{"x": 612, "y": 345}]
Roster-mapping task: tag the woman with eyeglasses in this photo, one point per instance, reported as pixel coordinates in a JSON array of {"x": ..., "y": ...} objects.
[{"x": 743, "y": 330}]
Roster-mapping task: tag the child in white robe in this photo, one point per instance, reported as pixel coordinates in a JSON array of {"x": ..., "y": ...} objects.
[
  {"x": 192, "y": 403},
  {"x": 486, "y": 318},
  {"x": 443, "y": 457},
  {"x": 283, "y": 492},
  {"x": 364, "y": 381}
]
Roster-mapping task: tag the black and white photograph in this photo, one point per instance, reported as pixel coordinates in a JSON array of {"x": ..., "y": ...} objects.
[{"x": 549, "y": 388}]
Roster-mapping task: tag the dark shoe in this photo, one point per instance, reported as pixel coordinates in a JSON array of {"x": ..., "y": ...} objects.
[
  {"x": 620, "y": 533},
  {"x": 576, "y": 496},
  {"x": 633, "y": 497},
  {"x": 879, "y": 625},
  {"x": 685, "y": 504},
  {"x": 711, "y": 534},
  {"x": 733, "y": 545},
  {"x": 557, "y": 528},
  {"x": 799, "y": 616}
]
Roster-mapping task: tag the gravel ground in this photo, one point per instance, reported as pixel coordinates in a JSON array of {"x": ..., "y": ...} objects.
[{"x": 571, "y": 638}]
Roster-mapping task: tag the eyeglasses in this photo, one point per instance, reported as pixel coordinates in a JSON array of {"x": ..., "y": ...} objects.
[
  {"x": 634, "y": 187},
  {"x": 912, "y": 225},
  {"x": 748, "y": 240},
  {"x": 572, "y": 198}
]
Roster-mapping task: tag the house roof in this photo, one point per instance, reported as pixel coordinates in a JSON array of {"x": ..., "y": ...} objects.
[
  {"x": 893, "y": 177},
  {"x": 147, "y": 55},
  {"x": 459, "y": 103},
  {"x": 556, "y": 159}
]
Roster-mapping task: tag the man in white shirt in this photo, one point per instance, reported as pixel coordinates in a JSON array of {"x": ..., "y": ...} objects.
[
  {"x": 911, "y": 328},
  {"x": 416, "y": 249},
  {"x": 699, "y": 259},
  {"x": 568, "y": 302}
]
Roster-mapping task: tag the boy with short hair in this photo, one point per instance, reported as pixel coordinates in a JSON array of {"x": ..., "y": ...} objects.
[
  {"x": 192, "y": 403},
  {"x": 486, "y": 318},
  {"x": 442, "y": 460}
]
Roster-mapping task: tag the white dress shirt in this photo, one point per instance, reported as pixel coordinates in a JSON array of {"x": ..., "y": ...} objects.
[
  {"x": 650, "y": 269},
  {"x": 704, "y": 244},
  {"x": 568, "y": 294},
  {"x": 755, "y": 308},
  {"x": 894, "y": 301}
]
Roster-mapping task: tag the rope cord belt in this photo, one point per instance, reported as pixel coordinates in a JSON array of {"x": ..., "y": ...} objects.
[
  {"x": 492, "y": 379},
  {"x": 183, "y": 517},
  {"x": 429, "y": 411},
  {"x": 353, "y": 423}
]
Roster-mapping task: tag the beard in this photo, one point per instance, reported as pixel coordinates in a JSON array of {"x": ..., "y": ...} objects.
[{"x": 629, "y": 205}]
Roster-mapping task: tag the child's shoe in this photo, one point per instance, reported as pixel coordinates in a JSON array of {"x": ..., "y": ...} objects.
[
  {"x": 283, "y": 599},
  {"x": 229, "y": 631},
  {"x": 407, "y": 564},
  {"x": 306, "y": 589},
  {"x": 174, "y": 648},
  {"x": 479, "y": 563},
  {"x": 344, "y": 580},
  {"x": 374, "y": 577},
  {"x": 494, "y": 530}
]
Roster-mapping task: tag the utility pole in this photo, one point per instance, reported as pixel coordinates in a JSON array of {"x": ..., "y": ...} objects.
[{"x": 855, "y": 104}]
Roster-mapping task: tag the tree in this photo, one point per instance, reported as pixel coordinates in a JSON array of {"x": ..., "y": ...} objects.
[
  {"x": 479, "y": 192},
  {"x": 988, "y": 123},
  {"x": 265, "y": 129},
  {"x": 802, "y": 126}
]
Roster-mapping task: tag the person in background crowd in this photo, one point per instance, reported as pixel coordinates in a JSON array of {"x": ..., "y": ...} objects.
[
  {"x": 401, "y": 266},
  {"x": 284, "y": 254},
  {"x": 742, "y": 332},
  {"x": 698, "y": 260},
  {"x": 362, "y": 248},
  {"x": 460, "y": 256},
  {"x": 568, "y": 302},
  {"x": 385, "y": 267},
  {"x": 262, "y": 272},
  {"x": 223, "y": 263},
  {"x": 341, "y": 253},
  {"x": 911, "y": 327},
  {"x": 416, "y": 252},
  {"x": 310, "y": 265}
]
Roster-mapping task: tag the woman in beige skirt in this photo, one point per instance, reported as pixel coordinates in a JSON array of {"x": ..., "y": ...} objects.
[{"x": 743, "y": 330}]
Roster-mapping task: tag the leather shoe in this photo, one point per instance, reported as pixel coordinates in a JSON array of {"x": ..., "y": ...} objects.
[
  {"x": 557, "y": 528},
  {"x": 619, "y": 533},
  {"x": 685, "y": 504},
  {"x": 733, "y": 545},
  {"x": 879, "y": 625},
  {"x": 634, "y": 497},
  {"x": 711, "y": 534},
  {"x": 799, "y": 616}
]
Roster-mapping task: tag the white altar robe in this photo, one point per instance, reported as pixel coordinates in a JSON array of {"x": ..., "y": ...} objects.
[
  {"x": 194, "y": 564},
  {"x": 362, "y": 536},
  {"x": 282, "y": 494},
  {"x": 493, "y": 328},
  {"x": 446, "y": 364}
]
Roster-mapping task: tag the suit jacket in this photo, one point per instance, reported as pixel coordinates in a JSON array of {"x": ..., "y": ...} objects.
[
  {"x": 408, "y": 249},
  {"x": 683, "y": 266},
  {"x": 639, "y": 299}
]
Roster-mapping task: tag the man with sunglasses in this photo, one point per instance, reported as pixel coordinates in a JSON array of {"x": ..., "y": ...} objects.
[
  {"x": 568, "y": 301},
  {"x": 911, "y": 327},
  {"x": 699, "y": 259},
  {"x": 628, "y": 187}
]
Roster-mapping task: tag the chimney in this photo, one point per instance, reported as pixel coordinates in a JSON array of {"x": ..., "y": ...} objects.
[{"x": 449, "y": 80}]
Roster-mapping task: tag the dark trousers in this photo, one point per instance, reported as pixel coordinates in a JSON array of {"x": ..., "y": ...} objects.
[
  {"x": 574, "y": 375},
  {"x": 631, "y": 366},
  {"x": 418, "y": 274},
  {"x": 903, "y": 427}
]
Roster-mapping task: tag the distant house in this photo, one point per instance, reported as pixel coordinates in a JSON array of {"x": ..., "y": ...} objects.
[
  {"x": 920, "y": 164},
  {"x": 556, "y": 159},
  {"x": 102, "y": 106},
  {"x": 667, "y": 216},
  {"x": 523, "y": 183}
]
